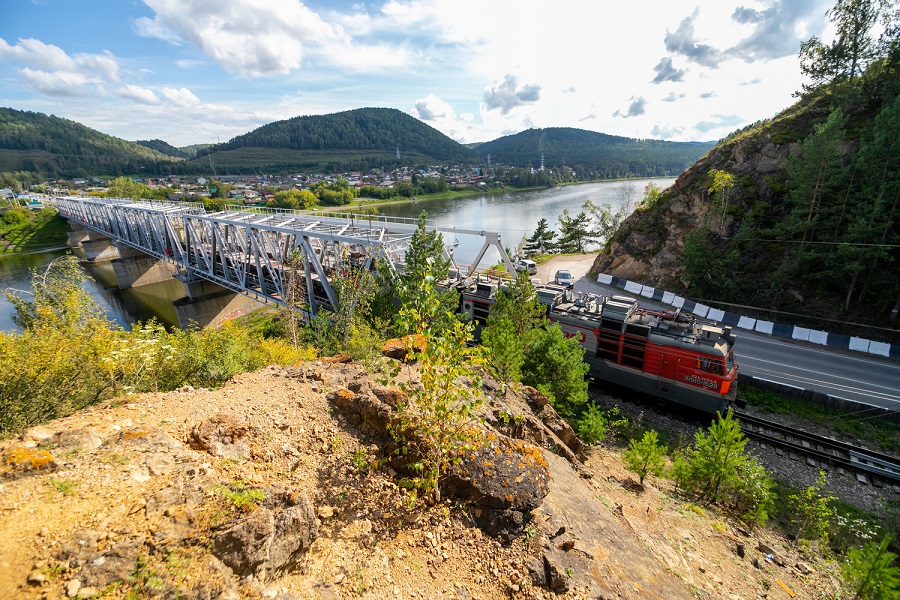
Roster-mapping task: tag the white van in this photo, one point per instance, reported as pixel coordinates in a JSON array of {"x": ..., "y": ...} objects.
[{"x": 526, "y": 265}]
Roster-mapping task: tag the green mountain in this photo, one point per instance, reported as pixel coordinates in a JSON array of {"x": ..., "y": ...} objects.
[
  {"x": 166, "y": 148},
  {"x": 608, "y": 156},
  {"x": 365, "y": 134},
  {"x": 31, "y": 141}
]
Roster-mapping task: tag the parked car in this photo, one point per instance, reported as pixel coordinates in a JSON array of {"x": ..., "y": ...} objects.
[
  {"x": 529, "y": 266},
  {"x": 565, "y": 279}
]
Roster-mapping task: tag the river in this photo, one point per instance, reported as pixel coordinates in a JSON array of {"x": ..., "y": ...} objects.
[{"x": 515, "y": 215}]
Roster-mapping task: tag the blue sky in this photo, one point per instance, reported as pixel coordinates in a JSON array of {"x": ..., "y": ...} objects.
[{"x": 197, "y": 71}]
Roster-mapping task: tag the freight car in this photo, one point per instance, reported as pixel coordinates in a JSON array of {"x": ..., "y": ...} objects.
[{"x": 662, "y": 353}]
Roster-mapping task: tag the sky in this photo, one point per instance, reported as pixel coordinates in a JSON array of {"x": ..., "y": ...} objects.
[{"x": 201, "y": 71}]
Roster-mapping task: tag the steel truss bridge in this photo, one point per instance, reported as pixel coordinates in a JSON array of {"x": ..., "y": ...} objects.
[{"x": 259, "y": 252}]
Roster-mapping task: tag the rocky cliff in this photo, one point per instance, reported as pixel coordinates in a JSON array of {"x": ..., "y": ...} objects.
[{"x": 647, "y": 245}]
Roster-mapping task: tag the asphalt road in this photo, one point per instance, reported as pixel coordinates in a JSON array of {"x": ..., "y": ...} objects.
[{"x": 852, "y": 375}]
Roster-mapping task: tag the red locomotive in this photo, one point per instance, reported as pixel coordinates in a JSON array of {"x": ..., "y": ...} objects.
[{"x": 665, "y": 354}]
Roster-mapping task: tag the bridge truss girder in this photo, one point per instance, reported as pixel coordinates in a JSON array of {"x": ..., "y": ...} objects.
[{"x": 259, "y": 252}]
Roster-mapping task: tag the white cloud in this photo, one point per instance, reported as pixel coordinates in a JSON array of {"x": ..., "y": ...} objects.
[
  {"x": 665, "y": 71},
  {"x": 138, "y": 94},
  {"x": 60, "y": 83},
  {"x": 253, "y": 38},
  {"x": 43, "y": 62},
  {"x": 507, "y": 95},
  {"x": 37, "y": 54},
  {"x": 667, "y": 132},
  {"x": 636, "y": 107},
  {"x": 180, "y": 97},
  {"x": 431, "y": 107}
]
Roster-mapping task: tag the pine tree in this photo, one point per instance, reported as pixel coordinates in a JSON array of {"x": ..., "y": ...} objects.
[
  {"x": 575, "y": 232},
  {"x": 713, "y": 463},
  {"x": 541, "y": 241},
  {"x": 646, "y": 456},
  {"x": 870, "y": 572}
]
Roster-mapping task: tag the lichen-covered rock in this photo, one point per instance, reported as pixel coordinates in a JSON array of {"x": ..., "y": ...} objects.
[
  {"x": 222, "y": 436},
  {"x": 400, "y": 348},
  {"x": 20, "y": 459},
  {"x": 269, "y": 539},
  {"x": 502, "y": 474}
]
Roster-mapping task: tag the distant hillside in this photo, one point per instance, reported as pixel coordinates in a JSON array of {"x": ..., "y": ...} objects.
[
  {"x": 608, "y": 155},
  {"x": 192, "y": 150},
  {"x": 380, "y": 131},
  {"x": 31, "y": 141},
  {"x": 165, "y": 148}
]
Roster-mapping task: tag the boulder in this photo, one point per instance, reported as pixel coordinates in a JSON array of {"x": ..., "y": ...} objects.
[
  {"x": 221, "y": 436},
  {"x": 502, "y": 474},
  {"x": 116, "y": 563},
  {"x": 400, "y": 348},
  {"x": 270, "y": 539}
]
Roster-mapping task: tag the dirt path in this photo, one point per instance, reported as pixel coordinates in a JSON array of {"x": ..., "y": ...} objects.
[{"x": 577, "y": 264}]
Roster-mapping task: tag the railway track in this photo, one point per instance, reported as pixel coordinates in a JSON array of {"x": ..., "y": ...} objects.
[{"x": 824, "y": 452}]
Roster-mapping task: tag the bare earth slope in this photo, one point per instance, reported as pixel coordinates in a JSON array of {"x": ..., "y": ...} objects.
[{"x": 152, "y": 496}]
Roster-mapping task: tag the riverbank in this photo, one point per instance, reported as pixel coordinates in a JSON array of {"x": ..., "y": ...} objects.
[
  {"x": 365, "y": 203},
  {"x": 30, "y": 232}
]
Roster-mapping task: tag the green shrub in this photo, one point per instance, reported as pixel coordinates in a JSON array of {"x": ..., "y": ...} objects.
[
  {"x": 17, "y": 216},
  {"x": 716, "y": 469},
  {"x": 646, "y": 456},
  {"x": 555, "y": 365},
  {"x": 870, "y": 574}
]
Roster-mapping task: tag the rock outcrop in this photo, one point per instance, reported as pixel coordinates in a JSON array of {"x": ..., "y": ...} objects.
[{"x": 648, "y": 243}]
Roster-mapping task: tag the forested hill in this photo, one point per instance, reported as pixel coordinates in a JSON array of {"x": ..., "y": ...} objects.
[
  {"x": 608, "y": 156},
  {"x": 364, "y": 129},
  {"x": 797, "y": 214},
  {"x": 166, "y": 148},
  {"x": 31, "y": 141}
]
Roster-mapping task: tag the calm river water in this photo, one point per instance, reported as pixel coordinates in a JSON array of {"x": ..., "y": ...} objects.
[{"x": 515, "y": 215}]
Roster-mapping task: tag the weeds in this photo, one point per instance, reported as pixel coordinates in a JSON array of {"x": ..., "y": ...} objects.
[
  {"x": 241, "y": 497},
  {"x": 64, "y": 486}
]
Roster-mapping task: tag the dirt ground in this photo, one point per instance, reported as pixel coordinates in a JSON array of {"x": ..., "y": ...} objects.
[{"x": 372, "y": 543}]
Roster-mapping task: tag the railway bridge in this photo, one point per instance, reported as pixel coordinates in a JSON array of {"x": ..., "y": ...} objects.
[{"x": 242, "y": 255}]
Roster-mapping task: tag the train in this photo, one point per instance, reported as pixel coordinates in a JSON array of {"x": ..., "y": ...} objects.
[{"x": 666, "y": 354}]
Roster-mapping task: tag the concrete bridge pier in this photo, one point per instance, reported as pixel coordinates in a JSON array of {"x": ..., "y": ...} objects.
[
  {"x": 133, "y": 268},
  {"x": 207, "y": 304},
  {"x": 99, "y": 248},
  {"x": 77, "y": 234}
]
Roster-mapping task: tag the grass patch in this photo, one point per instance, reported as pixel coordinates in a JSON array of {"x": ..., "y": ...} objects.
[
  {"x": 878, "y": 433},
  {"x": 243, "y": 498},
  {"x": 64, "y": 486},
  {"x": 45, "y": 229}
]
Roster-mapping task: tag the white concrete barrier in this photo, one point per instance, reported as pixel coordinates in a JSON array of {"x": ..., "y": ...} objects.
[
  {"x": 879, "y": 348},
  {"x": 647, "y": 292},
  {"x": 818, "y": 337},
  {"x": 668, "y": 297},
  {"x": 634, "y": 288},
  {"x": 701, "y": 310},
  {"x": 746, "y": 323},
  {"x": 765, "y": 327},
  {"x": 715, "y": 314},
  {"x": 801, "y": 333},
  {"x": 677, "y": 302},
  {"x": 604, "y": 279},
  {"x": 859, "y": 344}
]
